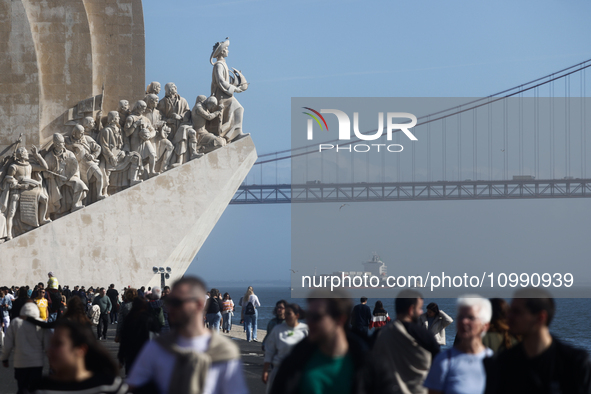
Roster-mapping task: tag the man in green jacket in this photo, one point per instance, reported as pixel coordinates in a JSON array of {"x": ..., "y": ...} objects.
[{"x": 105, "y": 304}]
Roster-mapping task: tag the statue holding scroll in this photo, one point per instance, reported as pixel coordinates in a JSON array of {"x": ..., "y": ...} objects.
[{"x": 23, "y": 194}]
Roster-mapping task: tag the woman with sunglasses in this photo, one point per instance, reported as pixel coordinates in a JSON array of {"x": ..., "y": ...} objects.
[
  {"x": 281, "y": 340},
  {"x": 227, "y": 313}
]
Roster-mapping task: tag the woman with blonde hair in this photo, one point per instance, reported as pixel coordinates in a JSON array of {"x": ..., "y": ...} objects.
[
  {"x": 241, "y": 303},
  {"x": 250, "y": 303}
]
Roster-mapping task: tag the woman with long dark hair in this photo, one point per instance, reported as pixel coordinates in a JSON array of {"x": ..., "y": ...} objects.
[
  {"x": 227, "y": 313},
  {"x": 213, "y": 310},
  {"x": 79, "y": 363},
  {"x": 379, "y": 316},
  {"x": 76, "y": 311},
  {"x": 23, "y": 297},
  {"x": 497, "y": 338},
  {"x": 140, "y": 325}
]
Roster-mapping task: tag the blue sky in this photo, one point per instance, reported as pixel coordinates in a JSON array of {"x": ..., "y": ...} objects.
[{"x": 345, "y": 49}]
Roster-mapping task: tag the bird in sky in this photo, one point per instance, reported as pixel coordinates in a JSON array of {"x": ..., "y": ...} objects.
[
  {"x": 341, "y": 207},
  {"x": 293, "y": 271}
]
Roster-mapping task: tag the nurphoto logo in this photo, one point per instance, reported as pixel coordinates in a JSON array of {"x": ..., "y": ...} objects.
[{"x": 345, "y": 129}]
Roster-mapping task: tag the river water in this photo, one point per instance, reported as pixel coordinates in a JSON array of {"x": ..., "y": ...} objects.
[{"x": 571, "y": 323}]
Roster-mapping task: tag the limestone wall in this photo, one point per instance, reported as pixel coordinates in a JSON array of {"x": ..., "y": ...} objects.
[{"x": 56, "y": 53}]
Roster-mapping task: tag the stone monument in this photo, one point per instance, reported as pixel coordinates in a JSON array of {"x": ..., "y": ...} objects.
[{"x": 95, "y": 198}]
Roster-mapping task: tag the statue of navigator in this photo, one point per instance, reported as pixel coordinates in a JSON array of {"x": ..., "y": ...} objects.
[
  {"x": 223, "y": 88},
  {"x": 25, "y": 192}
]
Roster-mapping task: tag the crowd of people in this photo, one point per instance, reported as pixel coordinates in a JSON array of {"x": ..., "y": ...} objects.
[{"x": 169, "y": 342}]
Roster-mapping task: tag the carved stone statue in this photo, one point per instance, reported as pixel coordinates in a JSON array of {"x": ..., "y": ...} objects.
[
  {"x": 140, "y": 131},
  {"x": 223, "y": 88},
  {"x": 175, "y": 111},
  {"x": 201, "y": 114},
  {"x": 124, "y": 112},
  {"x": 104, "y": 155},
  {"x": 87, "y": 153},
  {"x": 161, "y": 143},
  {"x": 24, "y": 194},
  {"x": 64, "y": 186},
  {"x": 121, "y": 167},
  {"x": 153, "y": 88},
  {"x": 92, "y": 127}
]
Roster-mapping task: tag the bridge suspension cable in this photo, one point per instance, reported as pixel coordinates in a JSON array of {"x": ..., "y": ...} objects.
[{"x": 469, "y": 106}]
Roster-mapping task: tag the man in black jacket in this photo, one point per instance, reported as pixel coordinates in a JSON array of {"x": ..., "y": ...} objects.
[
  {"x": 330, "y": 360},
  {"x": 361, "y": 318},
  {"x": 540, "y": 363}
]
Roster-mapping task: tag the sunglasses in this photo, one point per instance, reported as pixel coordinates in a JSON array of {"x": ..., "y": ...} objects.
[{"x": 177, "y": 302}]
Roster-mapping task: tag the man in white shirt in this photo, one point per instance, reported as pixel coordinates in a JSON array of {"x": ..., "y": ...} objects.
[{"x": 191, "y": 359}]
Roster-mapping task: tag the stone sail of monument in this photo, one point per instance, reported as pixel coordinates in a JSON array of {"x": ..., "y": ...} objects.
[
  {"x": 160, "y": 222},
  {"x": 92, "y": 193}
]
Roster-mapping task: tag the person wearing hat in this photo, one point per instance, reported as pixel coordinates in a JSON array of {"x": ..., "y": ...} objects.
[
  {"x": 54, "y": 297},
  {"x": 52, "y": 283},
  {"x": 223, "y": 89},
  {"x": 29, "y": 344}
]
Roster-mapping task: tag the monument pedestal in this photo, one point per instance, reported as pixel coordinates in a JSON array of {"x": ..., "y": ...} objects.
[{"x": 160, "y": 222}]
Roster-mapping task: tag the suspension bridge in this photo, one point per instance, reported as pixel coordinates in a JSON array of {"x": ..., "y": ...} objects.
[{"x": 529, "y": 141}]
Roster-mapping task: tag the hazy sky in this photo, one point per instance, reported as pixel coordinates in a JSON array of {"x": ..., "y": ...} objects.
[{"x": 368, "y": 49}]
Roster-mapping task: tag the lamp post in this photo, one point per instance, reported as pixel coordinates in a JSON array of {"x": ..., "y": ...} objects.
[{"x": 164, "y": 274}]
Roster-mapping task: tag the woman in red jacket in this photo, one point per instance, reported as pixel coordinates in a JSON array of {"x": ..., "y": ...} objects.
[{"x": 380, "y": 316}]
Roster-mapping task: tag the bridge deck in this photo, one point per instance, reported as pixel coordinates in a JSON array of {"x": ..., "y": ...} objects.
[{"x": 412, "y": 191}]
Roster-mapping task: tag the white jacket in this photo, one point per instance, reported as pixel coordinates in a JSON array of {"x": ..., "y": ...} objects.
[
  {"x": 28, "y": 341},
  {"x": 438, "y": 326}
]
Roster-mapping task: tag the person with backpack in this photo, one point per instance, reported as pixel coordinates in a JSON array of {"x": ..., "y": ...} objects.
[
  {"x": 213, "y": 310},
  {"x": 250, "y": 303},
  {"x": 105, "y": 306}
]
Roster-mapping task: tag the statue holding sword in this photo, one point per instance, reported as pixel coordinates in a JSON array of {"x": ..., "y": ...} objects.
[{"x": 23, "y": 193}]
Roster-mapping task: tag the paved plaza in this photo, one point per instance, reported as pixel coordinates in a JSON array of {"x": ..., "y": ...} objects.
[{"x": 252, "y": 359}]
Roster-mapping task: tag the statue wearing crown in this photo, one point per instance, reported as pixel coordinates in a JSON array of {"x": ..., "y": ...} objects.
[{"x": 224, "y": 85}]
